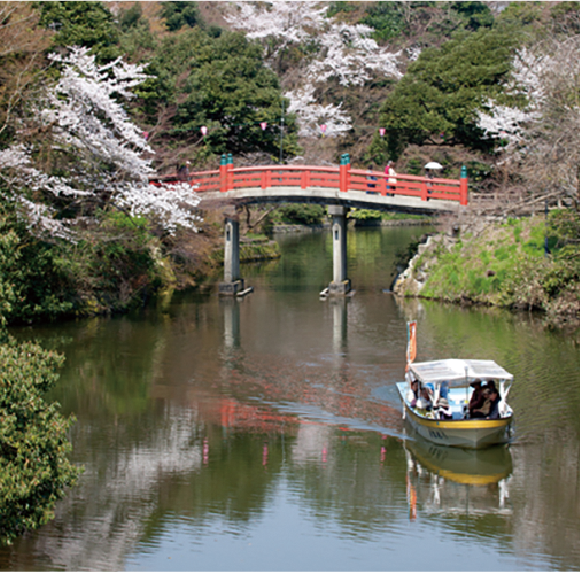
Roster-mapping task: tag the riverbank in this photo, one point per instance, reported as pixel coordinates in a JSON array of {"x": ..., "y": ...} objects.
[{"x": 502, "y": 264}]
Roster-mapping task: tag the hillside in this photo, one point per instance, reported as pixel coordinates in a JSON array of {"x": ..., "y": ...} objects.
[{"x": 444, "y": 80}]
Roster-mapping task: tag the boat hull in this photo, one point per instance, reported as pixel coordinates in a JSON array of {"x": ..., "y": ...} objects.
[{"x": 464, "y": 433}]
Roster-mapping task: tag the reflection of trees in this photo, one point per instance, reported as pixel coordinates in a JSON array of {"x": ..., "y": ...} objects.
[
  {"x": 353, "y": 487},
  {"x": 544, "y": 495},
  {"x": 149, "y": 393},
  {"x": 105, "y": 516}
]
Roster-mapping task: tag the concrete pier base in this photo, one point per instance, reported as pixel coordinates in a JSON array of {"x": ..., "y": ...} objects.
[
  {"x": 232, "y": 283},
  {"x": 340, "y": 289},
  {"x": 340, "y": 285},
  {"x": 230, "y": 288}
]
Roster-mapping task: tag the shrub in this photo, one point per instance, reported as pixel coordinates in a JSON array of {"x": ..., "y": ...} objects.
[{"x": 34, "y": 468}]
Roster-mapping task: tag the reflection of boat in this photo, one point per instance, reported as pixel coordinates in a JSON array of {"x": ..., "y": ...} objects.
[
  {"x": 481, "y": 467},
  {"x": 450, "y": 381},
  {"x": 457, "y": 481}
]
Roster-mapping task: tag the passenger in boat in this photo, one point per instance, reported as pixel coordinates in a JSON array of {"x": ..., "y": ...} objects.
[
  {"x": 425, "y": 401},
  {"x": 444, "y": 389},
  {"x": 494, "y": 399},
  {"x": 444, "y": 412},
  {"x": 415, "y": 393},
  {"x": 477, "y": 398},
  {"x": 492, "y": 387},
  {"x": 483, "y": 411}
]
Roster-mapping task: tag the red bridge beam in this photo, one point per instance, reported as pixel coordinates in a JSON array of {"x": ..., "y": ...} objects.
[{"x": 228, "y": 179}]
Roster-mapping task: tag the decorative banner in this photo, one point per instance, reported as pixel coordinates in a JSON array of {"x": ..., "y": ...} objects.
[
  {"x": 204, "y": 130},
  {"x": 323, "y": 129},
  {"x": 145, "y": 135},
  {"x": 263, "y": 125},
  {"x": 382, "y": 131},
  {"x": 411, "y": 341}
]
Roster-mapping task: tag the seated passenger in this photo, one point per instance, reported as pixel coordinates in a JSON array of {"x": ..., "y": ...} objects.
[
  {"x": 492, "y": 387},
  {"x": 424, "y": 401},
  {"x": 414, "y": 394},
  {"x": 444, "y": 389},
  {"x": 483, "y": 411},
  {"x": 444, "y": 411},
  {"x": 477, "y": 398},
  {"x": 494, "y": 399}
]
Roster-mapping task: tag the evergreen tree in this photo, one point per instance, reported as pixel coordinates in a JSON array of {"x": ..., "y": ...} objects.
[
  {"x": 441, "y": 92},
  {"x": 83, "y": 24},
  {"x": 179, "y": 14},
  {"x": 222, "y": 83}
]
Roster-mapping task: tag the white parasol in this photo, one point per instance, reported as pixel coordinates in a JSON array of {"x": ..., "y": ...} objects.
[{"x": 433, "y": 165}]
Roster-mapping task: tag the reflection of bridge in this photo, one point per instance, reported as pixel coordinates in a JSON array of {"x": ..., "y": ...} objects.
[{"x": 340, "y": 188}]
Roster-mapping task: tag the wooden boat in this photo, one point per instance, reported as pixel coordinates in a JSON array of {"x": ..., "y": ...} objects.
[{"x": 452, "y": 379}]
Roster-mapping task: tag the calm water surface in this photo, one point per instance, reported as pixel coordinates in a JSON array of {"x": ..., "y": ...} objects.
[{"x": 265, "y": 433}]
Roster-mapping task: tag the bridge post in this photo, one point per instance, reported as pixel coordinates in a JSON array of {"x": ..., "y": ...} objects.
[
  {"x": 232, "y": 283},
  {"x": 463, "y": 186},
  {"x": 344, "y": 173},
  {"x": 223, "y": 174},
  {"x": 340, "y": 284},
  {"x": 230, "y": 172}
]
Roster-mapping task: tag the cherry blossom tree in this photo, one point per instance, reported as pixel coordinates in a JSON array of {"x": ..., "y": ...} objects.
[
  {"x": 345, "y": 52},
  {"x": 544, "y": 134},
  {"x": 526, "y": 83},
  {"x": 91, "y": 138}
]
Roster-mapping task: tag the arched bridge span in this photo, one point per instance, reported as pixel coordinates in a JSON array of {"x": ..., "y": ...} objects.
[{"x": 342, "y": 185}]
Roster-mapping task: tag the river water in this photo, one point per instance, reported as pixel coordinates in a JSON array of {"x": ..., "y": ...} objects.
[{"x": 265, "y": 433}]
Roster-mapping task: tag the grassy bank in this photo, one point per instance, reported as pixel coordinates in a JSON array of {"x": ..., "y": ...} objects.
[{"x": 503, "y": 264}]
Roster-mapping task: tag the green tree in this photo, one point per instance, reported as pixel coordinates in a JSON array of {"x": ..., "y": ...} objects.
[
  {"x": 442, "y": 90},
  {"x": 475, "y": 14},
  {"x": 34, "y": 468},
  {"x": 179, "y": 14},
  {"x": 387, "y": 19},
  {"x": 85, "y": 24},
  {"x": 220, "y": 82}
]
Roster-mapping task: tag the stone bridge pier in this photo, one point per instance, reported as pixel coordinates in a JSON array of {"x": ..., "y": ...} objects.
[
  {"x": 232, "y": 282},
  {"x": 340, "y": 285}
]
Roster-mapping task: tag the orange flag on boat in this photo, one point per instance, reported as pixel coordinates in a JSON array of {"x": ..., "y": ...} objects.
[{"x": 411, "y": 341}]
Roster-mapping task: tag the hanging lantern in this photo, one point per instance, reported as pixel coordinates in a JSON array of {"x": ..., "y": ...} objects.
[
  {"x": 204, "y": 130},
  {"x": 263, "y": 125},
  {"x": 323, "y": 129},
  {"x": 382, "y": 131},
  {"x": 145, "y": 135}
]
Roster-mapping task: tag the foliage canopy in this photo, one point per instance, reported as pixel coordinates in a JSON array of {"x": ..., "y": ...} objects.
[
  {"x": 222, "y": 83},
  {"x": 440, "y": 93}
]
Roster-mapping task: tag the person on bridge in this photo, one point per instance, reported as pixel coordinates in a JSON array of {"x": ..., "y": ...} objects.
[
  {"x": 370, "y": 177},
  {"x": 392, "y": 180},
  {"x": 183, "y": 172}
]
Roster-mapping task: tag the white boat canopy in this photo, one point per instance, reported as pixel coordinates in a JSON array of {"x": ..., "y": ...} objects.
[{"x": 459, "y": 372}]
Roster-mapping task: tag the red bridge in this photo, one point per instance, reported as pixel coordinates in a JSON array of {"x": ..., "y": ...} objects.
[{"x": 342, "y": 185}]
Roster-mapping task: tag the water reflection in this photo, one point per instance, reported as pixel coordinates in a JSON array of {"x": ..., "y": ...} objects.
[
  {"x": 449, "y": 481},
  {"x": 268, "y": 428}
]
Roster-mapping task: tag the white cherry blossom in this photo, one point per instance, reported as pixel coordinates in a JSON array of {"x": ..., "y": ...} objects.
[{"x": 107, "y": 151}]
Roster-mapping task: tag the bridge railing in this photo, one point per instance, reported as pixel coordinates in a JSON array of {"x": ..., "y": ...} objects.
[{"x": 227, "y": 179}]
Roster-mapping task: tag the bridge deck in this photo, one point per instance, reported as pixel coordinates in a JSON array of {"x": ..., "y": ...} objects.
[
  {"x": 326, "y": 185},
  {"x": 328, "y": 196}
]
